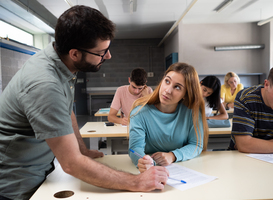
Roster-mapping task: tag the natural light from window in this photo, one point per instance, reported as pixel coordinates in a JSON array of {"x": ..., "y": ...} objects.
[{"x": 7, "y": 30}]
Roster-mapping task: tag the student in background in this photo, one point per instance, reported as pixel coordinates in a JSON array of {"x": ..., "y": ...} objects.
[
  {"x": 127, "y": 94},
  {"x": 210, "y": 87},
  {"x": 37, "y": 123},
  {"x": 252, "y": 129},
  {"x": 169, "y": 124},
  {"x": 230, "y": 89}
]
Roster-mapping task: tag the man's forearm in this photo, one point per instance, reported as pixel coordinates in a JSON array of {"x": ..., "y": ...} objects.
[
  {"x": 248, "y": 144},
  {"x": 114, "y": 119},
  {"x": 82, "y": 145}
]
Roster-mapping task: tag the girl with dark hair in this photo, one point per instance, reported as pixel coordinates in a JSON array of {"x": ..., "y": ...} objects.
[
  {"x": 210, "y": 87},
  {"x": 169, "y": 124}
]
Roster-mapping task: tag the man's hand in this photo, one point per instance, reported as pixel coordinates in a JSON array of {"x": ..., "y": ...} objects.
[
  {"x": 151, "y": 179},
  {"x": 145, "y": 91},
  {"x": 93, "y": 153},
  {"x": 163, "y": 159},
  {"x": 124, "y": 121},
  {"x": 145, "y": 163}
]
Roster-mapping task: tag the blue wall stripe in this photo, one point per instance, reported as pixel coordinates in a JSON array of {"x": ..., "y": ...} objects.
[{"x": 18, "y": 49}]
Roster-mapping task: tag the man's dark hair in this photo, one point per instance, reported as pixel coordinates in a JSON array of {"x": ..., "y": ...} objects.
[
  {"x": 81, "y": 27},
  {"x": 270, "y": 76},
  {"x": 139, "y": 76}
]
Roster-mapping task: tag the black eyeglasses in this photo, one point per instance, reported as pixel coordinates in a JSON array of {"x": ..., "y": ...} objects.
[{"x": 102, "y": 56}]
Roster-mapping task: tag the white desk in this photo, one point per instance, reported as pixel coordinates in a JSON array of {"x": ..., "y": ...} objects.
[
  {"x": 230, "y": 111},
  {"x": 239, "y": 177},
  {"x": 98, "y": 129},
  {"x": 104, "y": 112}
]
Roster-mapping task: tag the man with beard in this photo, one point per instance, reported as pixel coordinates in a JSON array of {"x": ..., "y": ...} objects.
[{"x": 36, "y": 118}]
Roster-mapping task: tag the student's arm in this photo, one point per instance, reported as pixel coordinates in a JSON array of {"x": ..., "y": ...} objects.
[
  {"x": 82, "y": 146},
  {"x": 242, "y": 130},
  {"x": 249, "y": 144},
  {"x": 67, "y": 152},
  {"x": 112, "y": 117},
  {"x": 137, "y": 141},
  {"x": 222, "y": 114},
  {"x": 194, "y": 146}
]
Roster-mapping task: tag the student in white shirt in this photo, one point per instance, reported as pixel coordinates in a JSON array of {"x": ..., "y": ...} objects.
[{"x": 210, "y": 87}]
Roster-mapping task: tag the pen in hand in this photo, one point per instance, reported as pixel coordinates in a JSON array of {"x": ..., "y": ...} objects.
[{"x": 137, "y": 154}]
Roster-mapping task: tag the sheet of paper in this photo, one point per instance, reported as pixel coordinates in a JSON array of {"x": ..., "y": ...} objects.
[
  {"x": 263, "y": 157},
  {"x": 192, "y": 178}
]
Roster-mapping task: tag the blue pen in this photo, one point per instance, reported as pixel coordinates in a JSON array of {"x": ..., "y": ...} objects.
[
  {"x": 177, "y": 180},
  {"x": 137, "y": 154}
]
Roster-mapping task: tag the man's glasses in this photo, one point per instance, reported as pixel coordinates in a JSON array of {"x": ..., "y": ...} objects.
[{"x": 102, "y": 56}]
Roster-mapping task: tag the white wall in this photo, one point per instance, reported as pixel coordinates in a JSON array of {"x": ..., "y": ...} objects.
[{"x": 197, "y": 41}]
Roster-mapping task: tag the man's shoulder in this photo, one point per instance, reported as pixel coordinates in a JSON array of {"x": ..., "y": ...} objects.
[
  {"x": 123, "y": 87},
  {"x": 250, "y": 95}
]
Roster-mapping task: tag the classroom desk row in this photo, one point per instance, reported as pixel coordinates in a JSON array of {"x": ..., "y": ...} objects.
[
  {"x": 238, "y": 177},
  {"x": 99, "y": 129}
]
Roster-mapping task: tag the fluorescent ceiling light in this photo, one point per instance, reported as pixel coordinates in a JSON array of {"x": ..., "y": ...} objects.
[
  {"x": 264, "y": 21},
  {"x": 69, "y": 3},
  {"x": 223, "y": 5},
  {"x": 239, "y": 47}
]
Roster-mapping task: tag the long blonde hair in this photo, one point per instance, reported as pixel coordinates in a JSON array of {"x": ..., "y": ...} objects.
[
  {"x": 193, "y": 98},
  {"x": 228, "y": 76}
]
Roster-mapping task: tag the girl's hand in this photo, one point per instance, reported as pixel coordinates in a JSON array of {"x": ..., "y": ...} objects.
[
  {"x": 145, "y": 163},
  {"x": 163, "y": 159}
]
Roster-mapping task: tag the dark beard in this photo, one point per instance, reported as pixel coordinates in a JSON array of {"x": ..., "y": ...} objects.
[{"x": 87, "y": 67}]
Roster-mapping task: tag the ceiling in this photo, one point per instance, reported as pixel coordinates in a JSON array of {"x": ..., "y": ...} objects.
[{"x": 146, "y": 19}]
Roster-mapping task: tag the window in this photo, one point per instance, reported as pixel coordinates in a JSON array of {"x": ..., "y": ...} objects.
[{"x": 7, "y": 30}]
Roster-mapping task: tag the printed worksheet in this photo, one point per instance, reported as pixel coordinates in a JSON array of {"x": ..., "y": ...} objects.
[
  {"x": 190, "y": 177},
  {"x": 263, "y": 157}
]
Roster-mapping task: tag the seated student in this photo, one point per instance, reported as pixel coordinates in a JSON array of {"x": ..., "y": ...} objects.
[
  {"x": 127, "y": 94},
  {"x": 210, "y": 87},
  {"x": 170, "y": 123},
  {"x": 252, "y": 129},
  {"x": 230, "y": 89}
]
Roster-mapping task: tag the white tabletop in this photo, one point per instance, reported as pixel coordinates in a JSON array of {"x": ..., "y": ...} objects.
[
  {"x": 239, "y": 177},
  {"x": 99, "y": 129}
]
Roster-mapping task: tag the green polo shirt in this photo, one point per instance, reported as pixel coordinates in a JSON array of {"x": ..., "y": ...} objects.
[{"x": 36, "y": 105}]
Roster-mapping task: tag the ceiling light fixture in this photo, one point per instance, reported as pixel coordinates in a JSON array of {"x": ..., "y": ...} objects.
[
  {"x": 239, "y": 47},
  {"x": 223, "y": 5},
  {"x": 264, "y": 21},
  {"x": 69, "y": 3}
]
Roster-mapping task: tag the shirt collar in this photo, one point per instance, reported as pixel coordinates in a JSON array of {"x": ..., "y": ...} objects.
[{"x": 52, "y": 54}]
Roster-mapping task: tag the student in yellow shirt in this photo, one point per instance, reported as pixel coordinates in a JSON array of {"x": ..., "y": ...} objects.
[{"x": 230, "y": 89}]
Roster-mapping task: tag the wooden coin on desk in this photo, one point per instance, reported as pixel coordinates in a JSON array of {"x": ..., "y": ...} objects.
[{"x": 91, "y": 131}]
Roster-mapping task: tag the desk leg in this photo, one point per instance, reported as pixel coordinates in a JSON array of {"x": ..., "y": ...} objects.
[
  {"x": 94, "y": 143},
  {"x": 109, "y": 146},
  {"x": 90, "y": 106}
]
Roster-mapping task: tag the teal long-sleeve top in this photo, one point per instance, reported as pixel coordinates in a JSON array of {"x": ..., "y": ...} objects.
[{"x": 153, "y": 131}]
